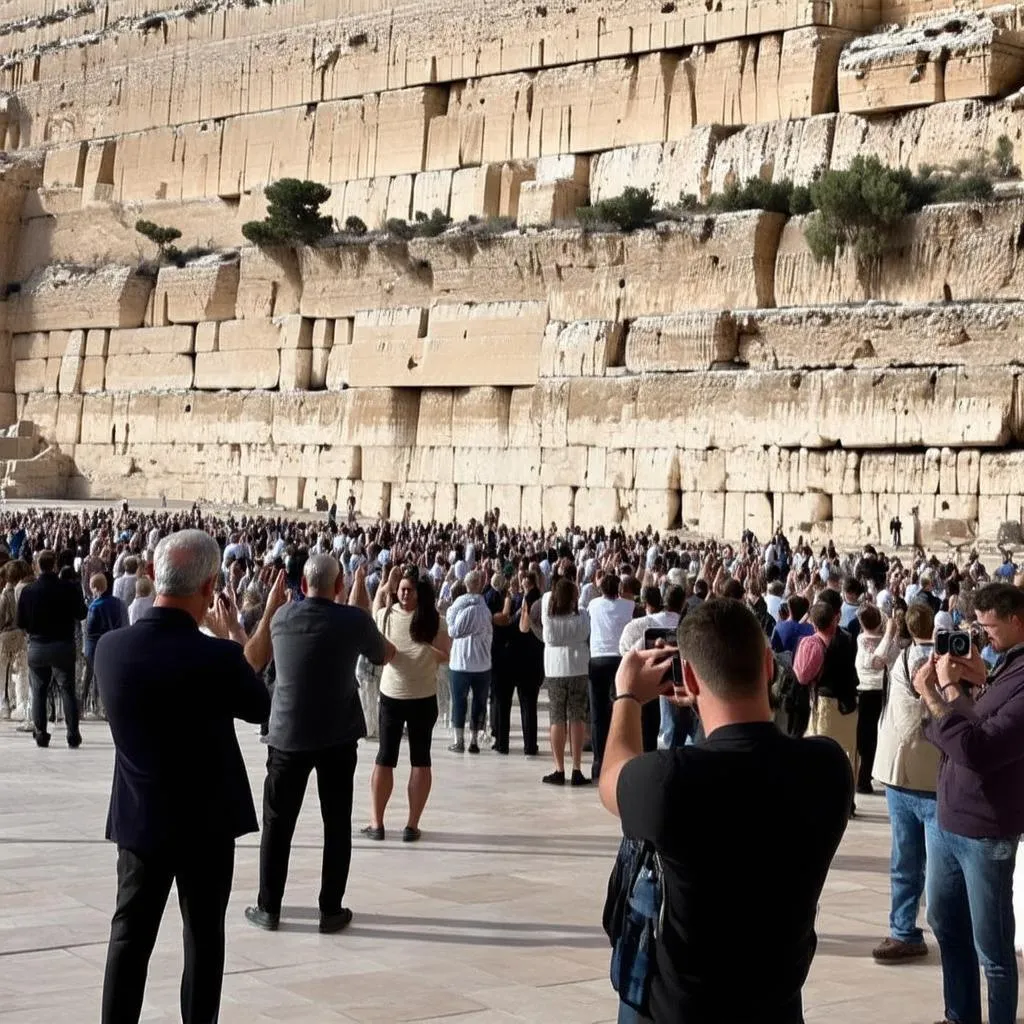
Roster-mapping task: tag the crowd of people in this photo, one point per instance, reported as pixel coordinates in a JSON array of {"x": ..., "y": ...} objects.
[{"x": 912, "y": 665}]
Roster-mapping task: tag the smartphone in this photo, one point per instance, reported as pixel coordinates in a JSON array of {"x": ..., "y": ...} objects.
[{"x": 667, "y": 636}]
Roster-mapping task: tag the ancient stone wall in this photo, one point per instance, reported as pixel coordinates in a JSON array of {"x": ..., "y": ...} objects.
[{"x": 707, "y": 374}]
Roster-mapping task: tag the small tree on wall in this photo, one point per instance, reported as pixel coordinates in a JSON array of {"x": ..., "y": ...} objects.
[
  {"x": 293, "y": 215},
  {"x": 162, "y": 237}
]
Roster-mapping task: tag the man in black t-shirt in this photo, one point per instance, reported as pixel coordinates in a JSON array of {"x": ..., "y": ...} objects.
[{"x": 706, "y": 808}]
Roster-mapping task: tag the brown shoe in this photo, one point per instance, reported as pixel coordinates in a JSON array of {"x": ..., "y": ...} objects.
[{"x": 895, "y": 951}]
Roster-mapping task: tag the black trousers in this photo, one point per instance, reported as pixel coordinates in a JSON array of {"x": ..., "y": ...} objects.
[
  {"x": 869, "y": 710},
  {"x": 285, "y": 786},
  {"x": 602, "y": 686},
  {"x": 53, "y": 662},
  {"x": 203, "y": 875},
  {"x": 504, "y": 687}
]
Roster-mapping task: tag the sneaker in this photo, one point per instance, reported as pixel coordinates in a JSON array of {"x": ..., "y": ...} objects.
[
  {"x": 896, "y": 951},
  {"x": 474, "y": 748},
  {"x": 579, "y": 779},
  {"x": 331, "y": 923},
  {"x": 457, "y": 748},
  {"x": 554, "y": 779},
  {"x": 262, "y": 919},
  {"x": 376, "y": 834},
  {"x": 410, "y": 834}
]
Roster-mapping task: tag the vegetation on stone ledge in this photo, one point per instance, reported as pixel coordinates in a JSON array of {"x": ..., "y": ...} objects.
[
  {"x": 162, "y": 237},
  {"x": 632, "y": 210},
  {"x": 293, "y": 215}
]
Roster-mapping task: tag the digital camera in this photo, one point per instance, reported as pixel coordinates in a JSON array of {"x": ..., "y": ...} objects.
[{"x": 953, "y": 641}]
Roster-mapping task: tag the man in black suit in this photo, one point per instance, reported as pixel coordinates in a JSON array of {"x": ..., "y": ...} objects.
[
  {"x": 47, "y": 611},
  {"x": 177, "y": 807}
]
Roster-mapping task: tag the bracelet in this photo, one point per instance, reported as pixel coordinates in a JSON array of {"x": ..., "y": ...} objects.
[{"x": 626, "y": 696}]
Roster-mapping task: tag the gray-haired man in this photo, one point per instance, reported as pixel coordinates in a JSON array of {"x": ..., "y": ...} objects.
[{"x": 316, "y": 720}]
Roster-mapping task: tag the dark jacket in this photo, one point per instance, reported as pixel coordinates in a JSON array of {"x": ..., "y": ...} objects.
[
  {"x": 170, "y": 789},
  {"x": 316, "y": 698},
  {"x": 49, "y": 608},
  {"x": 981, "y": 773},
  {"x": 106, "y": 613}
]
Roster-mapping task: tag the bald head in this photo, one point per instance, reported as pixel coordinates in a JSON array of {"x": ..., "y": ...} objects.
[{"x": 320, "y": 574}]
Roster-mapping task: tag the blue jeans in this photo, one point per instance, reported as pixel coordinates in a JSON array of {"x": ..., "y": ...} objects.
[
  {"x": 462, "y": 683},
  {"x": 676, "y": 726},
  {"x": 970, "y": 897},
  {"x": 910, "y": 813},
  {"x": 627, "y": 1015}
]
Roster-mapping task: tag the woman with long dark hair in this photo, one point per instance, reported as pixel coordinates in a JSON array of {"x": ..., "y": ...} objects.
[{"x": 408, "y": 698}]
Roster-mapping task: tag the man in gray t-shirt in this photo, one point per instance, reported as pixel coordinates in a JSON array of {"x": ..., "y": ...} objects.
[{"x": 316, "y": 720}]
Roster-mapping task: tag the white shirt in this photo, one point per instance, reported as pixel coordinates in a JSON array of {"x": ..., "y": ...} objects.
[
  {"x": 471, "y": 629},
  {"x": 608, "y": 618},
  {"x": 588, "y": 592},
  {"x": 138, "y": 607},
  {"x": 774, "y": 602},
  {"x": 633, "y": 635}
]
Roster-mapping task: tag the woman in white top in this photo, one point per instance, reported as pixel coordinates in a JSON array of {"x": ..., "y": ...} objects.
[
  {"x": 876, "y": 652},
  {"x": 408, "y": 698},
  {"x": 566, "y": 630},
  {"x": 144, "y": 597}
]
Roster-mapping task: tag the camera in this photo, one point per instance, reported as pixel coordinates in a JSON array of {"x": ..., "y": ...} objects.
[
  {"x": 953, "y": 641},
  {"x": 674, "y": 674}
]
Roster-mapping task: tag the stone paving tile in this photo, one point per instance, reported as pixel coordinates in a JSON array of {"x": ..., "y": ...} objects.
[{"x": 494, "y": 918}]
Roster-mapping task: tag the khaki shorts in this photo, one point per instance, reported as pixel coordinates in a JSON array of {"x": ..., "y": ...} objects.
[{"x": 568, "y": 700}]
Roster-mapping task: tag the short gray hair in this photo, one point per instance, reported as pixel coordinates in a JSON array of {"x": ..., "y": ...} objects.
[
  {"x": 474, "y": 581},
  {"x": 184, "y": 561},
  {"x": 321, "y": 572}
]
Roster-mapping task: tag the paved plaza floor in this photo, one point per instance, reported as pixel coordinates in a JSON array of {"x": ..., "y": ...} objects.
[{"x": 494, "y": 918}]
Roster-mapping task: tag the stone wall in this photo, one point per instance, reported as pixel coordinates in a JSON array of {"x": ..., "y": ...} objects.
[{"x": 708, "y": 374}]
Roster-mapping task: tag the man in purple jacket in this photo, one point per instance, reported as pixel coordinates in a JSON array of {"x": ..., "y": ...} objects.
[{"x": 972, "y": 846}]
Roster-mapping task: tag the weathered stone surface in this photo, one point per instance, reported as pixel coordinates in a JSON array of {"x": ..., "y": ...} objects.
[
  {"x": 151, "y": 341},
  {"x": 73, "y": 297},
  {"x": 257, "y": 368},
  {"x": 199, "y": 291},
  {"x": 148, "y": 372},
  {"x": 686, "y": 341},
  {"x": 586, "y": 348}
]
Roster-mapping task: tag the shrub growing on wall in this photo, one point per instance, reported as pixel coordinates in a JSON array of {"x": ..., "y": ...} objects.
[
  {"x": 162, "y": 237},
  {"x": 293, "y": 215}
]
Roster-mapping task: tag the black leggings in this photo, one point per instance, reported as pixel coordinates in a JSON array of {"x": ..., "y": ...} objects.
[
  {"x": 420, "y": 715},
  {"x": 504, "y": 687},
  {"x": 869, "y": 710}
]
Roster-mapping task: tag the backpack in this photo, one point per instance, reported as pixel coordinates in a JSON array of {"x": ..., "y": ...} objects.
[{"x": 633, "y": 917}]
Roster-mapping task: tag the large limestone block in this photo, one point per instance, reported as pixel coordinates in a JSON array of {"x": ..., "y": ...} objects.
[
  {"x": 403, "y": 324},
  {"x": 516, "y": 466},
  {"x": 337, "y": 376},
  {"x": 379, "y": 416},
  {"x": 260, "y": 490},
  {"x": 199, "y": 291},
  {"x": 39, "y": 345},
  {"x": 523, "y": 429},
  {"x": 470, "y": 502},
  {"x": 269, "y": 284},
  {"x": 148, "y": 372},
  {"x": 968, "y": 472},
  {"x": 431, "y": 190},
  {"x": 385, "y": 462},
  {"x": 1000, "y": 472},
  {"x": 556, "y": 505},
  {"x": 29, "y": 375},
  {"x": 476, "y": 192},
  {"x": 656, "y": 469},
  {"x": 884, "y": 335},
  {"x": 596, "y": 506},
  {"x": 480, "y": 417},
  {"x": 544, "y": 203},
  {"x": 434, "y": 463},
  {"x": 489, "y": 343},
  {"x": 236, "y": 370},
  {"x": 338, "y": 282},
  {"x": 68, "y": 297},
  {"x": 667, "y": 170},
  {"x": 434, "y": 420},
  {"x": 797, "y": 151},
  {"x": 144, "y": 341},
  {"x": 248, "y": 336},
  {"x": 613, "y": 467},
  {"x": 564, "y": 467},
  {"x": 417, "y": 500},
  {"x": 655, "y": 510},
  {"x": 315, "y": 418},
  {"x": 290, "y": 492},
  {"x": 956, "y": 252},
  {"x": 508, "y": 500},
  {"x": 93, "y": 374},
  {"x": 403, "y": 121},
  {"x": 684, "y": 341},
  {"x": 296, "y": 369},
  {"x": 856, "y": 409},
  {"x": 341, "y": 461},
  {"x": 585, "y": 348}
]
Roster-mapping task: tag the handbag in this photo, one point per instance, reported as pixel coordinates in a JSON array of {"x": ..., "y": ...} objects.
[{"x": 633, "y": 918}]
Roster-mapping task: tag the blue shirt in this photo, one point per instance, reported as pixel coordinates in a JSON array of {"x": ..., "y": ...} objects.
[{"x": 788, "y": 634}]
